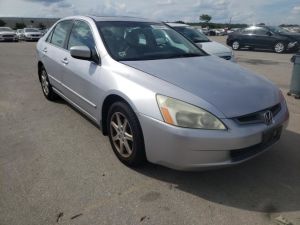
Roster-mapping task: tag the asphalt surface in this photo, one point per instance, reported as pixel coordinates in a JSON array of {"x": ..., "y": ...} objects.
[{"x": 57, "y": 168}]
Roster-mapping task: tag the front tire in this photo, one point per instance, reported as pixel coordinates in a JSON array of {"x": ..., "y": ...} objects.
[
  {"x": 46, "y": 86},
  {"x": 279, "y": 47},
  {"x": 125, "y": 134},
  {"x": 236, "y": 45}
]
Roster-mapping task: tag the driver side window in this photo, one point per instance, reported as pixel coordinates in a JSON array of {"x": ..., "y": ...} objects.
[{"x": 81, "y": 35}]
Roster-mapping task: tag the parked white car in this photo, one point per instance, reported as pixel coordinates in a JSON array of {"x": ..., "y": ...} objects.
[
  {"x": 211, "y": 47},
  {"x": 20, "y": 34},
  {"x": 32, "y": 34},
  {"x": 7, "y": 34}
]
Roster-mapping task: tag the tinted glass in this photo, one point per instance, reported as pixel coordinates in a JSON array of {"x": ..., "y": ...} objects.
[
  {"x": 248, "y": 31},
  {"x": 261, "y": 31},
  {"x": 60, "y": 33},
  {"x": 144, "y": 41},
  {"x": 277, "y": 29},
  {"x": 192, "y": 33},
  {"x": 49, "y": 36},
  {"x": 81, "y": 34}
]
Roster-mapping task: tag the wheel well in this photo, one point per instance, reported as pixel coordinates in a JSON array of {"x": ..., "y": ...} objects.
[
  {"x": 40, "y": 66},
  {"x": 109, "y": 100}
]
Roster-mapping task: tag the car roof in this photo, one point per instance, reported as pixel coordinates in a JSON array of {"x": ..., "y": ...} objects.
[
  {"x": 120, "y": 18},
  {"x": 178, "y": 25}
]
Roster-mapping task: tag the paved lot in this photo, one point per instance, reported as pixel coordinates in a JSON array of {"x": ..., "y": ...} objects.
[{"x": 57, "y": 168}]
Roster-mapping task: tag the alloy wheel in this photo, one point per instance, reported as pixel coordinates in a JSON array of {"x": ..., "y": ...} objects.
[
  {"x": 45, "y": 83},
  {"x": 279, "y": 47},
  {"x": 121, "y": 134},
  {"x": 235, "y": 45}
]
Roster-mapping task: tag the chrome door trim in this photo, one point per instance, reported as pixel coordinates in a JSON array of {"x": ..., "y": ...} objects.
[
  {"x": 74, "y": 104},
  {"x": 74, "y": 92}
]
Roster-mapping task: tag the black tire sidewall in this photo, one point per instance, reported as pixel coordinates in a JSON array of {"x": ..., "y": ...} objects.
[
  {"x": 51, "y": 95},
  {"x": 138, "y": 155}
]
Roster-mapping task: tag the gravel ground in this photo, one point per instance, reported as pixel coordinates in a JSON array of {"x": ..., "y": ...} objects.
[{"x": 57, "y": 168}]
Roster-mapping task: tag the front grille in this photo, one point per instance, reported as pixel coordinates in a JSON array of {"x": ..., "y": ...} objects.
[
  {"x": 257, "y": 117},
  {"x": 8, "y": 36},
  {"x": 34, "y": 35},
  {"x": 227, "y": 57},
  {"x": 269, "y": 138}
]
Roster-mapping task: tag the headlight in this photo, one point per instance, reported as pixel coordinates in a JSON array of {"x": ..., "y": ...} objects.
[{"x": 179, "y": 113}]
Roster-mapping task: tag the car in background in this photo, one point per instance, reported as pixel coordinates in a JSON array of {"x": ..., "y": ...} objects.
[
  {"x": 32, "y": 34},
  {"x": 20, "y": 34},
  {"x": 264, "y": 37},
  {"x": 220, "y": 32},
  {"x": 7, "y": 34},
  {"x": 44, "y": 31},
  {"x": 211, "y": 47}
]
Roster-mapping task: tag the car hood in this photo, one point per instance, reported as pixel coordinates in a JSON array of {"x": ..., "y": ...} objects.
[
  {"x": 291, "y": 35},
  {"x": 7, "y": 32},
  {"x": 214, "y": 48},
  {"x": 39, "y": 33},
  {"x": 232, "y": 89}
]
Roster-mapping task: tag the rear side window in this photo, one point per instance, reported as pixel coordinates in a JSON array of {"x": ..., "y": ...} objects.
[
  {"x": 60, "y": 33},
  {"x": 49, "y": 36},
  {"x": 81, "y": 35},
  {"x": 248, "y": 31},
  {"x": 261, "y": 31}
]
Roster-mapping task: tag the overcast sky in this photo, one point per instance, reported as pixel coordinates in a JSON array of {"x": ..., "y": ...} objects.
[{"x": 241, "y": 11}]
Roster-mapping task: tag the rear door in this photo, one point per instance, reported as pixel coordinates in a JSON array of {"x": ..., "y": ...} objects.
[
  {"x": 54, "y": 50},
  {"x": 248, "y": 36},
  {"x": 263, "y": 38},
  {"x": 80, "y": 76}
]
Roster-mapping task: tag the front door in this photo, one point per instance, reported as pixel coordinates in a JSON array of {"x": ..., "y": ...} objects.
[{"x": 80, "y": 76}]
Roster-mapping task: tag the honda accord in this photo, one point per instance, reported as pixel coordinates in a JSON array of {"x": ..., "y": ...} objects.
[{"x": 157, "y": 95}]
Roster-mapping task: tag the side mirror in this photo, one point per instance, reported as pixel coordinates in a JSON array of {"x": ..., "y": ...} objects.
[{"x": 81, "y": 52}]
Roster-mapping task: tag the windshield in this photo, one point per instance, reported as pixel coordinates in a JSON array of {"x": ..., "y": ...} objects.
[
  {"x": 277, "y": 29},
  {"x": 192, "y": 33},
  {"x": 144, "y": 41},
  {"x": 31, "y": 30},
  {"x": 5, "y": 29}
]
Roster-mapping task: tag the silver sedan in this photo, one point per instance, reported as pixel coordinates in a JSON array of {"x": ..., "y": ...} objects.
[{"x": 157, "y": 95}]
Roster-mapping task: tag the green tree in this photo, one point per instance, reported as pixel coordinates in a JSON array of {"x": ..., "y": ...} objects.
[
  {"x": 42, "y": 26},
  {"x": 20, "y": 26},
  {"x": 2, "y": 23},
  {"x": 205, "y": 18}
]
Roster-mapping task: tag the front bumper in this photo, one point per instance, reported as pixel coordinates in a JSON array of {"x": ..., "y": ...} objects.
[
  {"x": 28, "y": 38},
  {"x": 8, "y": 38},
  {"x": 293, "y": 47},
  {"x": 193, "y": 149}
]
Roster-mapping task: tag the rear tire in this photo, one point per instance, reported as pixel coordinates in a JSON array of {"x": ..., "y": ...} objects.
[
  {"x": 236, "y": 45},
  {"x": 46, "y": 86},
  {"x": 279, "y": 47},
  {"x": 125, "y": 135}
]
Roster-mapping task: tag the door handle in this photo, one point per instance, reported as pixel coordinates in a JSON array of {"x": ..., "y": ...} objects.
[{"x": 65, "y": 61}]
